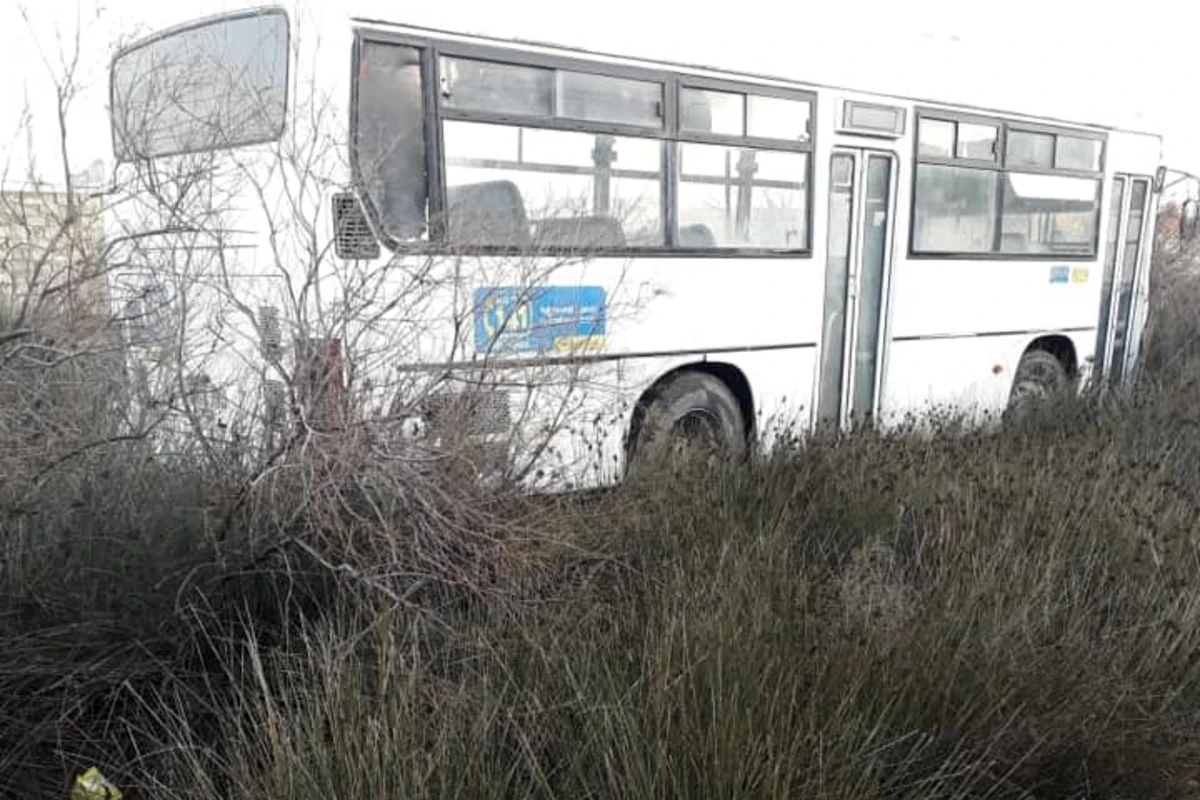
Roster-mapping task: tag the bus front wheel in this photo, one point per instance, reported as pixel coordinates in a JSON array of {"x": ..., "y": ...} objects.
[{"x": 693, "y": 413}]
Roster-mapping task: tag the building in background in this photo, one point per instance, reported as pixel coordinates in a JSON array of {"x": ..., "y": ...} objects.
[{"x": 52, "y": 260}]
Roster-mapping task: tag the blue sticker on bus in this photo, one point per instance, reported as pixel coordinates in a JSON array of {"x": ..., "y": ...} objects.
[
  {"x": 550, "y": 319},
  {"x": 1059, "y": 274}
]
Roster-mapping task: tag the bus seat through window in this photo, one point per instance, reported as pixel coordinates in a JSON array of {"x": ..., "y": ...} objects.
[
  {"x": 698, "y": 235},
  {"x": 488, "y": 213},
  {"x": 584, "y": 232}
]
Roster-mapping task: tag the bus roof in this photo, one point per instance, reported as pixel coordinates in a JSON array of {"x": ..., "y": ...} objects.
[
  {"x": 359, "y": 14},
  {"x": 658, "y": 62}
]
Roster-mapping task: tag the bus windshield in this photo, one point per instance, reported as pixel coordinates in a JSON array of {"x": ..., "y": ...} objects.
[{"x": 214, "y": 85}]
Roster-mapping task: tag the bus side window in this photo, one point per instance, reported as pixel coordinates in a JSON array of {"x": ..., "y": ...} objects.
[
  {"x": 579, "y": 190},
  {"x": 390, "y": 140}
]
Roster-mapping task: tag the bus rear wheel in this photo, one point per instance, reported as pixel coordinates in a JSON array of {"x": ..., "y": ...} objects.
[
  {"x": 692, "y": 414},
  {"x": 1041, "y": 378}
]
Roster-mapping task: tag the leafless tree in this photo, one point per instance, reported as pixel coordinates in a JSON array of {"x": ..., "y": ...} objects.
[
  {"x": 343, "y": 391},
  {"x": 63, "y": 385}
]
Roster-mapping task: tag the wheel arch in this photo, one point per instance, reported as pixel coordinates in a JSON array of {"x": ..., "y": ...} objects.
[
  {"x": 1061, "y": 347},
  {"x": 730, "y": 374}
]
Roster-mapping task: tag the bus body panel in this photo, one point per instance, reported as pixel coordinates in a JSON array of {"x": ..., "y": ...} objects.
[{"x": 955, "y": 327}]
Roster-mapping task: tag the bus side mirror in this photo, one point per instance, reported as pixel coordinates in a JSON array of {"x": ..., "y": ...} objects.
[{"x": 1160, "y": 178}]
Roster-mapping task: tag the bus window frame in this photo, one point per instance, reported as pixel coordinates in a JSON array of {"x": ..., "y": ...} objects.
[
  {"x": 668, "y": 134},
  {"x": 1000, "y": 165}
]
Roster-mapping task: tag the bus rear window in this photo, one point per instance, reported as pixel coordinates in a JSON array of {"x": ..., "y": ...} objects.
[{"x": 216, "y": 85}]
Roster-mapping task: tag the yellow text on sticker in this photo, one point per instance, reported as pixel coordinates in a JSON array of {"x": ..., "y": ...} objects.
[{"x": 578, "y": 344}]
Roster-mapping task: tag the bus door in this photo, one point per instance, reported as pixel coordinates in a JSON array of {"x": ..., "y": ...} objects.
[
  {"x": 857, "y": 275},
  {"x": 1129, "y": 233}
]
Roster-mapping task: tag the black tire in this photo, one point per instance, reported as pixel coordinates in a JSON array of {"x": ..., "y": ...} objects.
[
  {"x": 692, "y": 408},
  {"x": 1040, "y": 378}
]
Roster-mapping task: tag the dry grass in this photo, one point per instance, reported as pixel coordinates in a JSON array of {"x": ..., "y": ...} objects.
[{"x": 1002, "y": 616}]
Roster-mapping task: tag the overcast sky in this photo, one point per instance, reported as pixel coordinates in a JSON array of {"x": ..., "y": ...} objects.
[{"x": 1069, "y": 58}]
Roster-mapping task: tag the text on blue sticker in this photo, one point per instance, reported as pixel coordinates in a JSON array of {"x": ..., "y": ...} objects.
[{"x": 511, "y": 319}]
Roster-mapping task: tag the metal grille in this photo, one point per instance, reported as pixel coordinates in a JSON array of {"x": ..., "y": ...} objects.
[
  {"x": 269, "y": 332},
  {"x": 274, "y": 402},
  {"x": 472, "y": 413},
  {"x": 491, "y": 458},
  {"x": 352, "y": 232}
]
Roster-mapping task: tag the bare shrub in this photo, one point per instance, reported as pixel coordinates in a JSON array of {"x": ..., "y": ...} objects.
[{"x": 1173, "y": 327}]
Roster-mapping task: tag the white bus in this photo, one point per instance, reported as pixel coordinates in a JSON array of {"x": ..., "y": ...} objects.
[{"x": 709, "y": 252}]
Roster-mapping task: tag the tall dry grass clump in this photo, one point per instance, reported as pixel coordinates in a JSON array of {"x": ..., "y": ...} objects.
[
  {"x": 1173, "y": 328},
  {"x": 1004, "y": 614}
]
